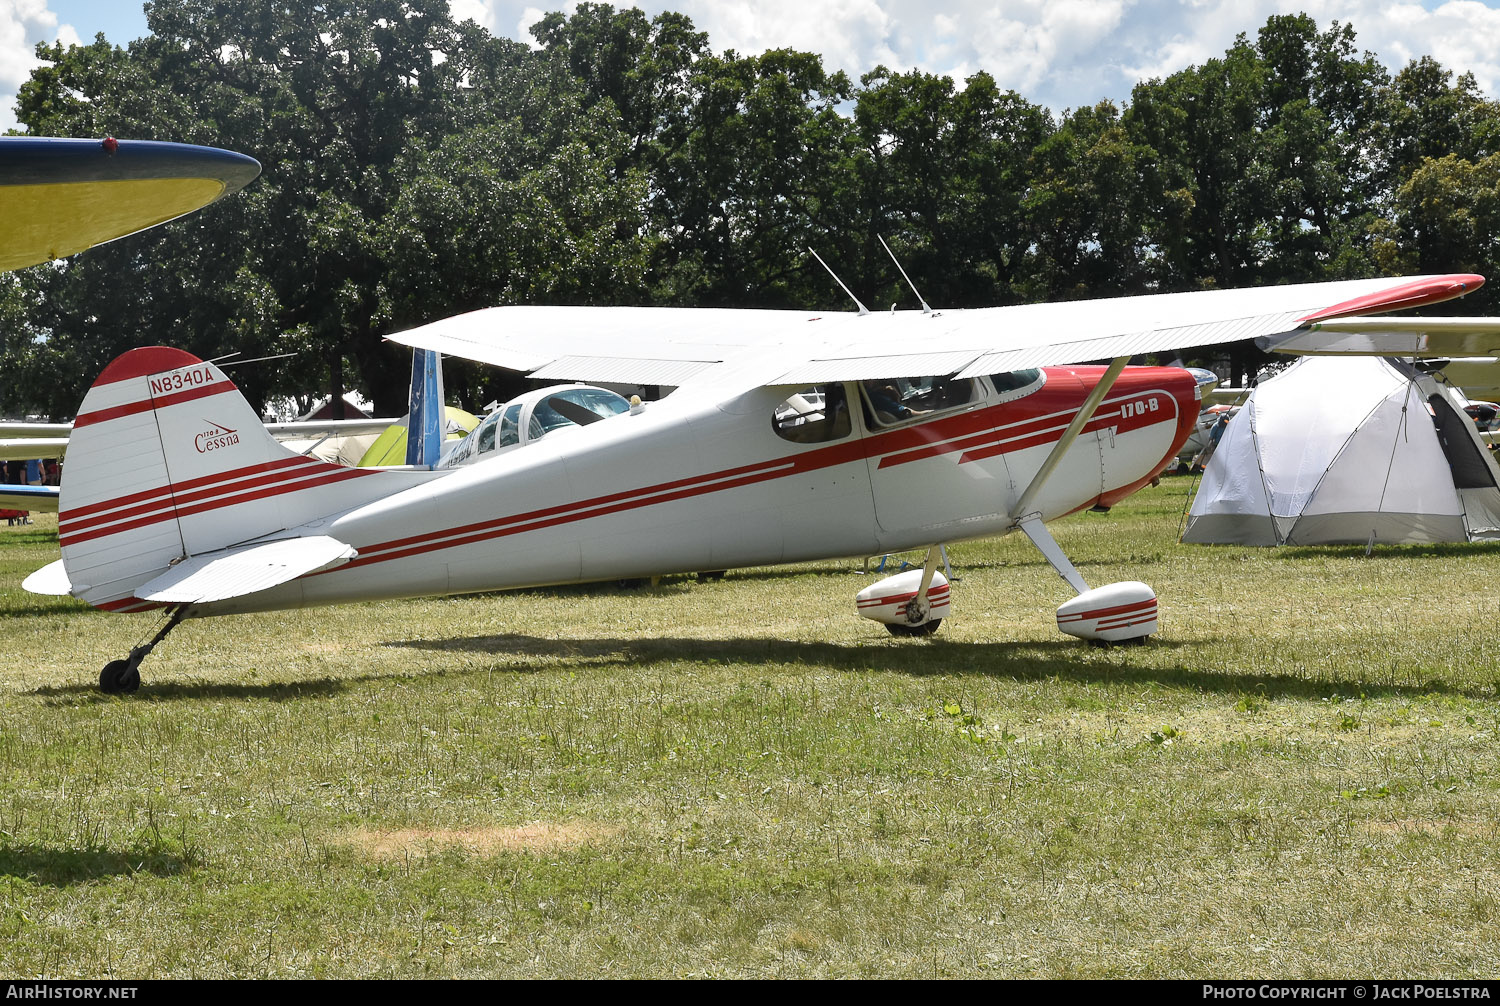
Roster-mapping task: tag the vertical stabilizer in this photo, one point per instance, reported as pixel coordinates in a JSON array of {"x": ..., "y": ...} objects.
[{"x": 424, "y": 440}]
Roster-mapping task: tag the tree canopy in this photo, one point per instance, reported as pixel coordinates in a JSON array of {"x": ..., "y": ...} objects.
[{"x": 415, "y": 167}]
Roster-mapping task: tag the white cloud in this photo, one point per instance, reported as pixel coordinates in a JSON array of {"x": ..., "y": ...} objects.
[
  {"x": 1060, "y": 53},
  {"x": 1063, "y": 53},
  {"x": 480, "y": 11},
  {"x": 24, "y": 23}
]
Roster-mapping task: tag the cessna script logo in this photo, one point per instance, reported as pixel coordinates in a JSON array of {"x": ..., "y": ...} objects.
[{"x": 216, "y": 438}]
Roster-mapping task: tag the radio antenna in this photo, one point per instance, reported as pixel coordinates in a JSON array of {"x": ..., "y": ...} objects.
[
  {"x": 925, "y": 308},
  {"x": 258, "y": 359},
  {"x": 862, "y": 309}
]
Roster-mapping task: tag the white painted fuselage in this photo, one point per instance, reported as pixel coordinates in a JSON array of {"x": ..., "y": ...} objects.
[{"x": 690, "y": 483}]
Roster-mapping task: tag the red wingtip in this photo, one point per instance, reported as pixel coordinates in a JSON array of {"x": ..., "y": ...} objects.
[
  {"x": 145, "y": 361},
  {"x": 1417, "y": 293}
]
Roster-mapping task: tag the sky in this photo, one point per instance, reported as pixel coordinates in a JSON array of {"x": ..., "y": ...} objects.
[{"x": 1059, "y": 53}]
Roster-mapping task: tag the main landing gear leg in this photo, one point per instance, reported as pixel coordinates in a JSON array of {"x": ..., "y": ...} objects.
[{"x": 124, "y": 676}]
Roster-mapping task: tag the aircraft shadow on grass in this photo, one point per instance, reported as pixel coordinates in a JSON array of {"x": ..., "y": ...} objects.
[
  {"x": 1064, "y": 660},
  {"x": 63, "y": 867},
  {"x": 171, "y": 691}
]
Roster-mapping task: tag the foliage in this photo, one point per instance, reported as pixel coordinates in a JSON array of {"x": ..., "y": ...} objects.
[{"x": 415, "y": 167}]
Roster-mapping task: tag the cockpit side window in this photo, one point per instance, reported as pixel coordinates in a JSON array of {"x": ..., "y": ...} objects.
[
  {"x": 815, "y": 415},
  {"x": 899, "y": 400},
  {"x": 510, "y": 426},
  {"x": 487, "y": 433},
  {"x": 1017, "y": 383}
]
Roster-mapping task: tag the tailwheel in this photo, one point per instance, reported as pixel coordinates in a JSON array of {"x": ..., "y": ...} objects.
[
  {"x": 119, "y": 677},
  {"x": 902, "y": 629}
]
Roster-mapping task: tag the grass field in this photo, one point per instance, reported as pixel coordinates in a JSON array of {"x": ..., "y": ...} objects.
[{"x": 1300, "y": 776}]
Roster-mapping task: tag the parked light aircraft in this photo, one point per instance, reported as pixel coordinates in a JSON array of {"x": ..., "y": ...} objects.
[{"x": 791, "y": 436}]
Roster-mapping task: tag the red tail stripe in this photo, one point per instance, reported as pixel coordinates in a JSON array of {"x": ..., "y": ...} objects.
[
  {"x": 146, "y": 405},
  {"x": 165, "y": 491},
  {"x": 338, "y": 475},
  {"x": 170, "y": 499}
]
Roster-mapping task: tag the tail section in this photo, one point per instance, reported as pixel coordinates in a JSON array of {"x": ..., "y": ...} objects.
[{"x": 167, "y": 461}]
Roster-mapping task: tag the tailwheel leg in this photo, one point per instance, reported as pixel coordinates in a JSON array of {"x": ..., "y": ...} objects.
[{"x": 124, "y": 676}]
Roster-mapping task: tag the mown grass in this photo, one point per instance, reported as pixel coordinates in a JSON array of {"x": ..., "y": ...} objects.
[{"x": 1298, "y": 777}]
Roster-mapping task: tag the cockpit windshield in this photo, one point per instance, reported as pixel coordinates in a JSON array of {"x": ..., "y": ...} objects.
[{"x": 573, "y": 407}]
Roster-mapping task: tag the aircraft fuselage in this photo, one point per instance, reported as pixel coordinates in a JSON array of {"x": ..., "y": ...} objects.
[{"x": 693, "y": 484}]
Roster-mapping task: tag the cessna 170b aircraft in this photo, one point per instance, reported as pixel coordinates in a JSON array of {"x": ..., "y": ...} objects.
[{"x": 790, "y": 436}]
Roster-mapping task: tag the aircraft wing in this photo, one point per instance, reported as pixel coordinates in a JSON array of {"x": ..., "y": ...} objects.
[
  {"x": 307, "y": 429},
  {"x": 675, "y": 346},
  {"x": 32, "y": 448},
  {"x": 34, "y": 499},
  {"x": 60, "y": 196},
  {"x": 1424, "y": 337}
]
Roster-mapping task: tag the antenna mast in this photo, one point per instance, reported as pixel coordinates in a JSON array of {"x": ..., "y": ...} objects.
[
  {"x": 925, "y": 308},
  {"x": 862, "y": 309}
]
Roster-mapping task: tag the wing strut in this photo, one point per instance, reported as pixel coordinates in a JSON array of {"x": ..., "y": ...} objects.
[
  {"x": 1022, "y": 509},
  {"x": 1052, "y": 551}
]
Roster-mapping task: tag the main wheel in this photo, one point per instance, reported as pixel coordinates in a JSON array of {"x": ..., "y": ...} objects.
[
  {"x": 902, "y": 629},
  {"x": 119, "y": 677}
]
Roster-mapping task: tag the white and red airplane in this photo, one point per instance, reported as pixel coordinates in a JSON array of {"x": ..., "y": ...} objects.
[{"x": 790, "y": 436}]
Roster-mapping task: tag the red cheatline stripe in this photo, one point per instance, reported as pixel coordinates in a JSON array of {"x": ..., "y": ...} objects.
[
  {"x": 132, "y": 408},
  {"x": 1008, "y": 438},
  {"x": 564, "y": 513},
  {"x": 520, "y": 523},
  {"x": 1056, "y": 420},
  {"x": 633, "y": 499},
  {"x": 978, "y": 440}
]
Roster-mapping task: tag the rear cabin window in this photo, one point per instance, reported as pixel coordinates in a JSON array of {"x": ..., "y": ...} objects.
[
  {"x": 890, "y": 402},
  {"x": 814, "y": 415},
  {"x": 1015, "y": 384}
]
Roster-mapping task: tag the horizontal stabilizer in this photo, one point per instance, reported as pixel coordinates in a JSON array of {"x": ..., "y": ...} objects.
[
  {"x": 51, "y": 579},
  {"x": 244, "y": 569}
]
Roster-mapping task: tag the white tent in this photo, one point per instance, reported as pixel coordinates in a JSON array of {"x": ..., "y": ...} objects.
[{"x": 1348, "y": 450}]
